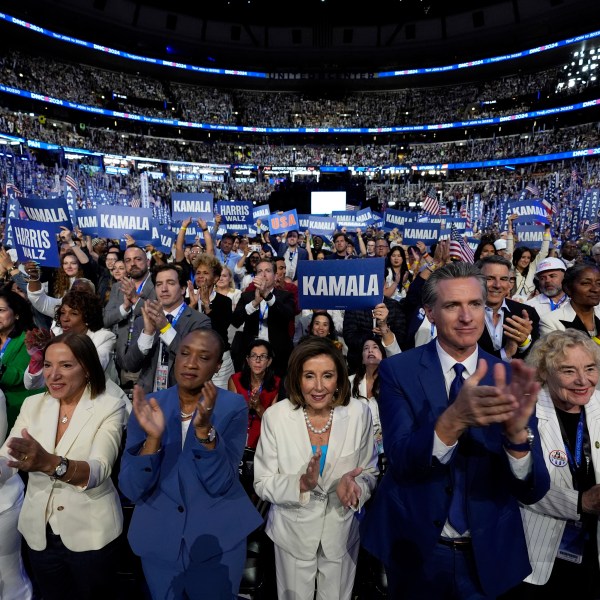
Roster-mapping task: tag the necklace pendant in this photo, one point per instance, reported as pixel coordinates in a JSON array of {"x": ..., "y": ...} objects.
[{"x": 64, "y": 419}]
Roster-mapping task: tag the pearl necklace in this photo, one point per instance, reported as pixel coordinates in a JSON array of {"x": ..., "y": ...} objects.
[{"x": 323, "y": 429}]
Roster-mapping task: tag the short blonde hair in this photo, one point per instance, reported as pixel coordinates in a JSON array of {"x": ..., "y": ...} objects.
[{"x": 549, "y": 351}]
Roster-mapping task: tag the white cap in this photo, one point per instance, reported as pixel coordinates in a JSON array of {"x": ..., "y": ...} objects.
[
  {"x": 551, "y": 264},
  {"x": 500, "y": 244}
]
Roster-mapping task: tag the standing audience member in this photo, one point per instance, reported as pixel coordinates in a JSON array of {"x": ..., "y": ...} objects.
[
  {"x": 562, "y": 528},
  {"x": 550, "y": 273},
  {"x": 258, "y": 384},
  {"x": 316, "y": 464},
  {"x": 158, "y": 331},
  {"x": 180, "y": 468},
  {"x": 266, "y": 313},
  {"x": 460, "y": 456},
  {"x": 570, "y": 253},
  {"x": 125, "y": 304},
  {"x": 14, "y": 582},
  {"x": 16, "y": 319},
  {"x": 582, "y": 284},
  {"x": 217, "y": 307},
  {"x": 67, "y": 440}
]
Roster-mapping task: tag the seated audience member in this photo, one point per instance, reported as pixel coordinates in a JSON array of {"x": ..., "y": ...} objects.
[
  {"x": 158, "y": 331},
  {"x": 67, "y": 440},
  {"x": 180, "y": 468},
  {"x": 321, "y": 486},
  {"x": 562, "y": 528}
]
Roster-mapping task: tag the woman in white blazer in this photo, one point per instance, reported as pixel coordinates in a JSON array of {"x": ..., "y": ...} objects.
[
  {"x": 14, "y": 582},
  {"x": 582, "y": 284},
  {"x": 317, "y": 466},
  {"x": 68, "y": 440},
  {"x": 562, "y": 528}
]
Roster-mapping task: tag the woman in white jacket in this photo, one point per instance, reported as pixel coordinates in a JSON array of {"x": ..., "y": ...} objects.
[
  {"x": 562, "y": 528},
  {"x": 316, "y": 464}
]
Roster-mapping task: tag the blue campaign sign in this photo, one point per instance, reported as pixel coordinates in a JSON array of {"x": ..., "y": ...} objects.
[
  {"x": 115, "y": 221},
  {"x": 397, "y": 218},
  {"x": 428, "y": 233},
  {"x": 347, "y": 218},
  {"x": 530, "y": 211},
  {"x": 365, "y": 216},
  {"x": 36, "y": 241},
  {"x": 165, "y": 239},
  {"x": 260, "y": 212},
  {"x": 47, "y": 210},
  {"x": 282, "y": 222},
  {"x": 237, "y": 216},
  {"x": 340, "y": 284},
  {"x": 198, "y": 205},
  {"x": 530, "y": 236},
  {"x": 317, "y": 225},
  {"x": 87, "y": 221}
]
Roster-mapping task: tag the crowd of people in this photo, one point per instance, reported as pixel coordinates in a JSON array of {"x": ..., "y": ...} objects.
[{"x": 193, "y": 386}]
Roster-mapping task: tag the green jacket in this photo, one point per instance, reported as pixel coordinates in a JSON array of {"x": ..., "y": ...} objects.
[{"x": 13, "y": 364}]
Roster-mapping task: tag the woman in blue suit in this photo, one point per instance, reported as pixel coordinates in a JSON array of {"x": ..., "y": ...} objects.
[{"x": 180, "y": 468}]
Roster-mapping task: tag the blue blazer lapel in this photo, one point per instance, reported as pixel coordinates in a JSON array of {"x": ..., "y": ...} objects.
[{"x": 431, "y": 379}]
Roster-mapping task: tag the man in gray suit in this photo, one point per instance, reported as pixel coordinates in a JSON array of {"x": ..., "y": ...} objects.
[
  {"x": 158, "y": 331},
  {"x": 126, "y": 301}
]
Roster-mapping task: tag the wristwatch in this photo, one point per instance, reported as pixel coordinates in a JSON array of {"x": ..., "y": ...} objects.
[
  {"x": 61, "y": 469},
  {"x": 212, "y": 434},
  {"x": 524, "y": 447}
]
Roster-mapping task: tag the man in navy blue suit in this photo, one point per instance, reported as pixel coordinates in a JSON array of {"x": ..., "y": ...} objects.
[{"x": 460, "y": 438}]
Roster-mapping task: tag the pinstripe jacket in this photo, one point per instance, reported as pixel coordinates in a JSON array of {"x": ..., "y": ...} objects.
[{"x": 544, "y": 522}]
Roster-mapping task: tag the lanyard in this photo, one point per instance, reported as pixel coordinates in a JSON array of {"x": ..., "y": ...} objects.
[
  {"x": 139, "y": 288},
  {"x": 3, "y": 349},
  {"x": 575, "y": 461},
  {"x": 291, "y": 255},
  {"x": 164, "y": 355},
  {"x": 555, "y": 305},
  {"x": 262, "y": 315}
]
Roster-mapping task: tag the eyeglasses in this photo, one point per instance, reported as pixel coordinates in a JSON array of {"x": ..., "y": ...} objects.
[{"x": 259, "y": 357}]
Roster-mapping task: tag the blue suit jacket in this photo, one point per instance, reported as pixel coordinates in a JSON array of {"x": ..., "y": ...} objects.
[
  {"x": 412, "y": 502},
  {"x": 190, "y": 494}
]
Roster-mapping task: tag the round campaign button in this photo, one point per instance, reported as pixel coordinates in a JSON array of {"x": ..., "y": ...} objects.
[{"x": 558, "y": 458}]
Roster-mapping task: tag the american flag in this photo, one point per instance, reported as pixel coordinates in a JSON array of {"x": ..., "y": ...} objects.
[
  {"x": 431, "y": 204},
  {"x": 71, "y": 183},
  {"x": 593, "y": 227},
  {"x": 464, "y": 213},
  {"x": 533, "y": 189},
  {"x": 135, "y": 202},
  {"x": 459, "y": 247},
  {"x": 12, "y": 187}
]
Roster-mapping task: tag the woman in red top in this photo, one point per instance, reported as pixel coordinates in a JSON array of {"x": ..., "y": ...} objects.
[{"x": 258, "y": 383}]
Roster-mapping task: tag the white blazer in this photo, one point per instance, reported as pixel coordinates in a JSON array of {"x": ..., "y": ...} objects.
[
  {"x": 88, "y": 517},
  {"x": 552, "y": 320},
  {"x": 544, "y": 521},
  {"x": 297, "y": 522}
]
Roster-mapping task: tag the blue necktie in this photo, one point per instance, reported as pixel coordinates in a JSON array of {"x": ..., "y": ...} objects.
[{"x": 458, "y": 514}]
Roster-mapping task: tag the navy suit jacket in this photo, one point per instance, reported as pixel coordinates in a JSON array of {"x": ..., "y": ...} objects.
[
  {"x": 191, "y": 493},
  {"x": 412, "y": 502}
]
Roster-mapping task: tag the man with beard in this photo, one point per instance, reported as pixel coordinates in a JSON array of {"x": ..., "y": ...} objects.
[
  {"x": 126, "y": 301},
  {"x": 549, "y": 273},
  {"x": 569, "y": 253}
]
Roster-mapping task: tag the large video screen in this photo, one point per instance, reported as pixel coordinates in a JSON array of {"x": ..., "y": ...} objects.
[{"x": 324, "y": 203}]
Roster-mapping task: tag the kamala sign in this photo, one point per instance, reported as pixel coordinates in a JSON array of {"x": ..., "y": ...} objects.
[{"x": 340, "y": 284}]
